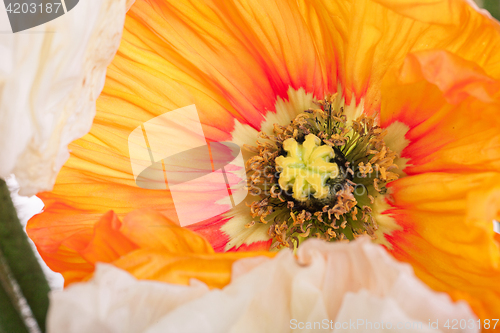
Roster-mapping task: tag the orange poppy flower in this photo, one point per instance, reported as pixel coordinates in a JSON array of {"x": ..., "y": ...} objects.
[{"x": 418, "y": 81}]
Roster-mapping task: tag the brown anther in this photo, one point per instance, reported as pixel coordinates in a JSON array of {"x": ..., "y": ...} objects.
[
  {"x": 306, "y": 233},
  {"x": 372, "y": 199},
  {"x": 249, "y": 225}
]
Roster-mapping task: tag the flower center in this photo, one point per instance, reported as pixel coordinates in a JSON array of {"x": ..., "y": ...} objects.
[
  {"x": 319, "y": 175},
  {"x": 306, "y": 168}
]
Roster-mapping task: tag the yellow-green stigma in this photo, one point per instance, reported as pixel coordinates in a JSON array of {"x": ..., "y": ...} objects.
[
  {"x": 319, "y": 175},
  {"x": 307, "y": 167}
]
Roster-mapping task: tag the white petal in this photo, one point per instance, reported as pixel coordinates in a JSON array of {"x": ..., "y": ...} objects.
[
  {"x": 326, "y": 284},
  {"x": 50, "y": 78},
  {"x": 362, "y": 312},
  {"x": 114, "y": 301}
]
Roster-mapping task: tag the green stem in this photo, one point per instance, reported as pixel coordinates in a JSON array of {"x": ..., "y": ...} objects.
[
  {"x": 20, "y": 259},
  {"x": 10, "y": 313}
]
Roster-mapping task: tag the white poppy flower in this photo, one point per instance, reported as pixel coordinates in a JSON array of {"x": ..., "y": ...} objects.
[
  {"x": 50, "y": 78},
  {"x": 330, "y": 287}
]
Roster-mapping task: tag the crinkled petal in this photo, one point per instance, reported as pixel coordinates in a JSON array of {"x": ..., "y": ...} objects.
[
  {"x": 325, "y": 283},
  {"x": 49, "y": 87},
  {"x": 447, "y": 203},
  {"x": 382, "y": 32},
  {"x": 147, "y": 245},
  {"x": 109, "y": 290}
]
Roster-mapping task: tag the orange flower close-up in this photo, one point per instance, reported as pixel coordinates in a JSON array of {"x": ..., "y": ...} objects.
[{"x": 397, "y": 98}]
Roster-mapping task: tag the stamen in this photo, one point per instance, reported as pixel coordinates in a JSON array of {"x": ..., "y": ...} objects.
[{"x": 318, "y": 176}]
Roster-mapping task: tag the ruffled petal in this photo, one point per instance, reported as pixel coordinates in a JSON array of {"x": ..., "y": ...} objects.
[
  {"x": 108, "y": 242},
  {"x": 147, "y": 300},
  {"x": 356, "y": 284},
  {"x": 450, "y": 105},
  {"x": 382, "y": 32},
  {"x": 447, "y": 203},
  {"x": 49, "y": 83},
  {"x": 147, "y": 245},
  {"x": 180, "y": 268}
]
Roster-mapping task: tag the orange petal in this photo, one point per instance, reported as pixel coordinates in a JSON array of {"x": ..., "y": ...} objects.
[
  {"x": 146, "y": 244},
  {"x": 213, "y": 269},
  {"x": 108, "y": 243},
  {"x": 248, "y": 52},
  {"x": 173, "y": 254},
  {"x": 447, "y": 203},
  {"x": 151, "y": 230},
  {"x": 382, "y": 32},
  {"x": 69, "y": 263},
  {"x": 450, "y": 105}
]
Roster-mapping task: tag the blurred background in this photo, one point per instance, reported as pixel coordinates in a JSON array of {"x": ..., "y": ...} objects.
[{"x": 493, "y": 6}]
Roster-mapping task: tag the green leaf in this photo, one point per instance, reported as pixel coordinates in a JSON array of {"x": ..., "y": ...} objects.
[{"x": 21, "y": 261}]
